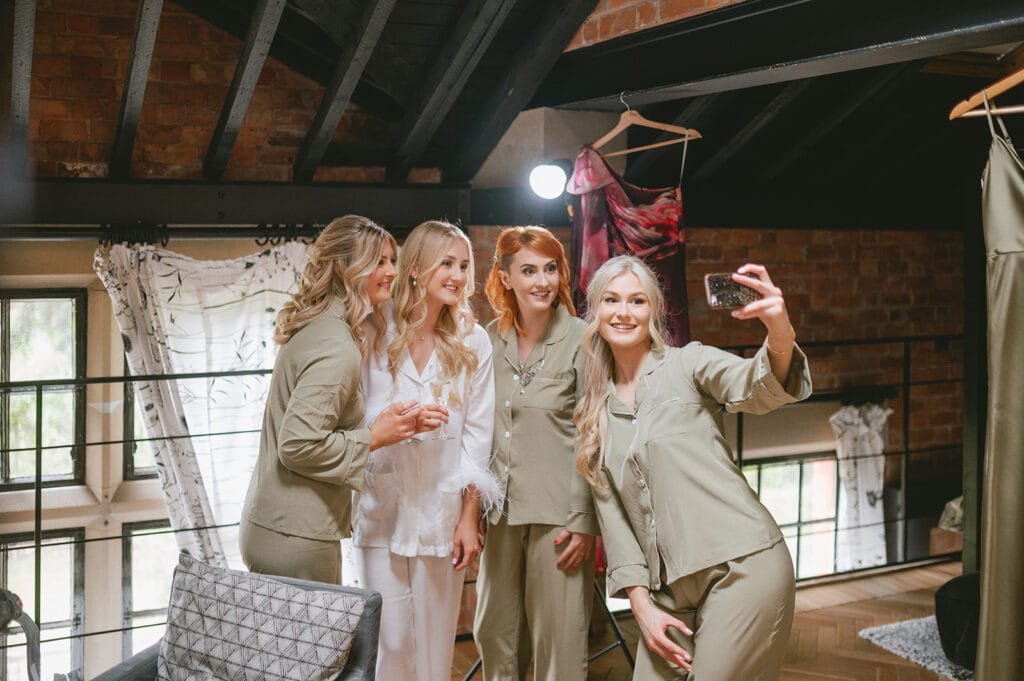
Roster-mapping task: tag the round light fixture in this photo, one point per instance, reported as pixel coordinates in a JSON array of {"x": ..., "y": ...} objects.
[{"x": 548, "y": 181}]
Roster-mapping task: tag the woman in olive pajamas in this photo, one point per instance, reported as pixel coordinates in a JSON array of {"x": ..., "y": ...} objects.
[
  {"x": 312, "y": 450},
  {"x": 535, "y": 587},
  {"x": 707, "y": 573}
]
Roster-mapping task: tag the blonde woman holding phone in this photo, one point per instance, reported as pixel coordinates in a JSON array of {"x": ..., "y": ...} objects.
[
  {"x": 415, "y": 524},
  {"x": 707, "y": 573},
  {"x": 535, "y": 588}
]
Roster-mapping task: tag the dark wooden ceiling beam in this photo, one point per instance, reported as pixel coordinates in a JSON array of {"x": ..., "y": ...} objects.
[
  {"x": 887, "y": 80},
  {"x": 783, "y": 100},
  {"x": 136, "y": 76},
  {"x": 21, "y": 82},
  {"x": 531, "y": 64},
  {"x": 262, "y": 27},
  {"x": 355, "y": 54},
  {"x": 783, "y": 40},
  {"x": 472, "y": 35},
  {"x": 36, "y": 203}
]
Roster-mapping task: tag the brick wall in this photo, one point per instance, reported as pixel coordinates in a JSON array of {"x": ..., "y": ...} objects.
[
  {"x": 80, "y": 58},
  {"x": 840, "y": 286},
  {"x": 614, "y": 18}
]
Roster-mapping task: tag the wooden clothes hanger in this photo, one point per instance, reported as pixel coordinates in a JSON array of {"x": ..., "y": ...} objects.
[
  {"x": 969, "y": 107},
  {"x": 631, "y": 117}
]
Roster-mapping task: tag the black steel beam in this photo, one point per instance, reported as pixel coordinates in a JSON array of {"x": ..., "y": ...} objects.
[
  {"x": 888, "y": 79},
  {"x": 354, "y": 56},
  {"x": 789, "y": 94},
  {"x": 87, "y": 202},
  {"x": 472, "y": 35},
  {"x": 532, "y": 62},
  {"x": 262, "y": 28},
  {"x": 21, "y": 83},
  {"x": 760, "y": 42},
  {"x": 136, "y": 75}
]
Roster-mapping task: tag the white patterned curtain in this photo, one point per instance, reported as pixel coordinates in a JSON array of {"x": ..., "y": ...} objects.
[
  {"x": 860, "y": 521},
  {"x": 178, "y": 315}
]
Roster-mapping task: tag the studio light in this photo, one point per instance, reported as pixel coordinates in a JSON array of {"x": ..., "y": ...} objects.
[{"x": 548, "y": 181}]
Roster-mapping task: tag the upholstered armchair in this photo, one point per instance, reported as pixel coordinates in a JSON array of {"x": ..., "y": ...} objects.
[{"x": 359, "y": 666}]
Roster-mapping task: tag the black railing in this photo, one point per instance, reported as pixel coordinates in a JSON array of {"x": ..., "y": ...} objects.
[{"x": 902, "y": 388}]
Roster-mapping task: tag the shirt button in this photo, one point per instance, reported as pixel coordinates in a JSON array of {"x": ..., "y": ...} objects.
[
  {"x": 508, "y": 434},
  {"x": 522, "y": 392},
  {"x": 515, "y": 378},
  {"x": 507, "y": 403},
  {"x": 642, "y": 483},
  {"x": 634, "y": 421}
]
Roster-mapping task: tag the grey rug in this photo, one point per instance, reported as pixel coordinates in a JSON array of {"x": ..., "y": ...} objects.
[{"x": 918, "y": 641}]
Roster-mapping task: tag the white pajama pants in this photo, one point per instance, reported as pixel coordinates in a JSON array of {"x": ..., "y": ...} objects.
[{"x": 420, "y": 596}]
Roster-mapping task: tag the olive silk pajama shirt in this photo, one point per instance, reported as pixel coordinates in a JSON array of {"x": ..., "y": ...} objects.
[
  {"x": 676, "y": 503},
  {"x": 312, "y": 448},
  {"x": 534, "y": 436}
]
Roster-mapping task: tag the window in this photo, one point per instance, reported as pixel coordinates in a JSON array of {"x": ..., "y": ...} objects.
[
  {"x": 42, "y": 343},
  {"x": 139, "y": 458},
  {"x": 146, "y": 589},
  {"x": 800, "y": 493},
  {"x": 61, "y": 602}
]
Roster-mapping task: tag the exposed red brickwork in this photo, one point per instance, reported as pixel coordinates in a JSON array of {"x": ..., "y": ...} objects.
[
  {"x": 78, "y": 69},
  {"x": 614, "y": 18},
  {"x": 841, "y": 286}
]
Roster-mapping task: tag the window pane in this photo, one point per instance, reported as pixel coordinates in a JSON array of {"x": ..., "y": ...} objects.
[
  {"x": 143, "y": 451},
  {"x": 57, "y": 581},
  {"x": 58, "y": 429},
  {"x": 56, "y": 655},
  {"x": 750, "y": 473},
  {"x": 780, "y": 486},
  {"x": 819, "y": 495},
  {"x": 42, "y": 339},
  {"x": 817, "y": 549},
  {"x": 153, "y": 559},
  {"x": 16, "y": 670},
  {"x": 145, "y": 636}
]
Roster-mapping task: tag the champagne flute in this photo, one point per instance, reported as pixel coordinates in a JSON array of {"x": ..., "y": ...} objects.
[{"x": 440, "y": 389}]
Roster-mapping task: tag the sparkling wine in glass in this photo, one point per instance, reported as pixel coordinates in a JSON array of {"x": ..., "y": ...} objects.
[{"x": 440, "y": 389}]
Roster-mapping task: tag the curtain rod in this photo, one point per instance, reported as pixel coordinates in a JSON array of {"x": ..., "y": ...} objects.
[{"x": 158, "y": 234}]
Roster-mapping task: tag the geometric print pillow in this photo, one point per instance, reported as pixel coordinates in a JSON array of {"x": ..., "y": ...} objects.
[{"x": 234, "y": 625}]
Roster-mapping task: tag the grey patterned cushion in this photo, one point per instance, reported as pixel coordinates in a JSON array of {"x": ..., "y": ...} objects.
[{"x": 234, "y": 625}]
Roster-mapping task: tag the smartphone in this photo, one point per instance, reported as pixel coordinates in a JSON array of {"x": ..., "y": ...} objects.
[{"x": 723, "y": 293}]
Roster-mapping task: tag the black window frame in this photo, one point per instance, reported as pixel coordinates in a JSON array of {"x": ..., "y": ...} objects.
[
  {"x": 76, "y": 537},
  {"x": 128, "y": 531},
  {"x": 79, "y": 297},
  {"x": 128, "y": 470}
]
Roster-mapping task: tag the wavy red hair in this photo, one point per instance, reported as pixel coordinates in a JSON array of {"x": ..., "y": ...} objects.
[{"x": 510, "y": 241}]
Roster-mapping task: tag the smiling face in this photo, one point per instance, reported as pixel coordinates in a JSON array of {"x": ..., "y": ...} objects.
[
  {"x": 624, "y": 314},
  {"x": 378, "y": 284},
  {"x": 449, "y": 279},
  {"x": 534, "y": 279}
]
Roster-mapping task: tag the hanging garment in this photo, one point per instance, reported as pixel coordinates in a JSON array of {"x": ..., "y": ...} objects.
[
  {"x": 860, "y": 520},
  {"x": 1001, "y": 628},
  {"x": 613, "y": 217}
]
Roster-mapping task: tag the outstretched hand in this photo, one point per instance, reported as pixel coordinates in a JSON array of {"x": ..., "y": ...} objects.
[{"x": 771, "y": 308}]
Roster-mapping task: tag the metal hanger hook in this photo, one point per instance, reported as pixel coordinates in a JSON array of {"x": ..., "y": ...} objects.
[{"x": 622, "y": 98}]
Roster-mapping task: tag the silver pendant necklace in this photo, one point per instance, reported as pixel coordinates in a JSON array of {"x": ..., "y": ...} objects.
[{"x": 526, "y": 374}]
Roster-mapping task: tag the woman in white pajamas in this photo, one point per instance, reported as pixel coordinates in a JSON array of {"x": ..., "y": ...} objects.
[{"x": 415, "y": 524}]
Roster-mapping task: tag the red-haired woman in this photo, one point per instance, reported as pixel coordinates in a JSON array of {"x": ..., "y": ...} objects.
[{"x": 535, "y": 587}]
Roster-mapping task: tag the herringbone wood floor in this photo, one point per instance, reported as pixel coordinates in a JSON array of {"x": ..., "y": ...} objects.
[{"x": 824, "y": 645}]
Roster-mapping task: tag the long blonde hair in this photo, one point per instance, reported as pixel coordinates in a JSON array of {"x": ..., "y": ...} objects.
[
  {"x": 422, "y": 253},
  {"x": 591, "y": 415},
  {"x": 510, "y": 242},
  {"x": 340, "y": 261}
]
